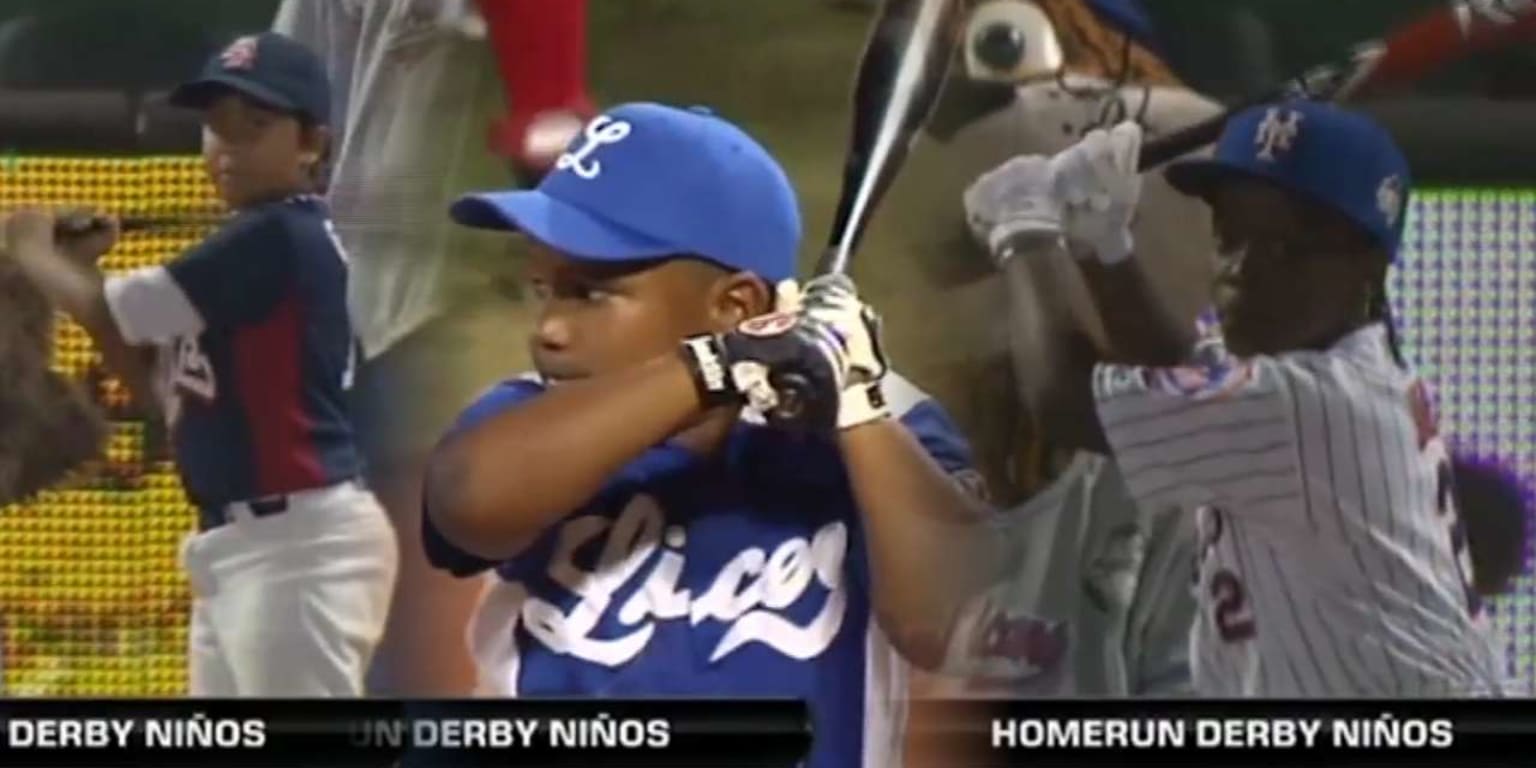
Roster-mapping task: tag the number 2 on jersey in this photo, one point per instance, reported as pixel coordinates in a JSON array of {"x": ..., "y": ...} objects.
[
  {"x": 1450, "y": 516},
  {"x": 1228, "y": 596},
  {"x": 1423, "y": 412},
  {"x": 1234, "y": 617}
]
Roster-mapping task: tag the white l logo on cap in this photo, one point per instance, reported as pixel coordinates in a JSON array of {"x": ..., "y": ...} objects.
[{"x": 600, "y": 132}]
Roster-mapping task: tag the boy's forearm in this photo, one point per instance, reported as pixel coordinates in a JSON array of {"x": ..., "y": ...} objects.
[
  {"x": 1141, "y": 329},
  {"x": 493, "y": 488},
  {"x": 928, "y": 549},
  {"x": 79, "y": 292},
  {"x": 1054, "y": 352}
]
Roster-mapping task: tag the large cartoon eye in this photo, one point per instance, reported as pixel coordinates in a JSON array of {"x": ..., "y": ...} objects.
[{"x": 1010, "y": 41}]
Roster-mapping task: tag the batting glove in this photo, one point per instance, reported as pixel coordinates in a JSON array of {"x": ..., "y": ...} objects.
[
  {"x": 1018, "y": 199},
  {"x": 1098, "y": 181},
  {"x": 833, "y": 302},
  {"x": 783, "y": 366},
  {"x": 818, "y": 368}
]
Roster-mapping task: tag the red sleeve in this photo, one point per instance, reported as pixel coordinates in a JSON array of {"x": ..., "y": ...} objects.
[{"x": 541, "y": 52}]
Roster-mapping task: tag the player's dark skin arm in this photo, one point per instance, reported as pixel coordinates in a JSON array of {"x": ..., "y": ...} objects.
[
  {"x": 1139, "y": 328},
  {"x": 1044, "y": 328},
  {"x": 928, "y": 551},
  {"x": 494, "y": 488}
]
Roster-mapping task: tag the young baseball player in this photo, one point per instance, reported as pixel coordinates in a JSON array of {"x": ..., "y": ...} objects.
[
  {"x": 1332, "y": 557},
  {"x": 649, "y": 535},
  {"x": 293, "y": 563}
]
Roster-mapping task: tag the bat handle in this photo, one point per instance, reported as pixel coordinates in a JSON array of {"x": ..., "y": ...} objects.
[
  {"x": 834, "y": 260},
  {"x": 1180, "y": 142},
  {"x": 79, "y": 226},
  {"x": 795, "y": 393}
]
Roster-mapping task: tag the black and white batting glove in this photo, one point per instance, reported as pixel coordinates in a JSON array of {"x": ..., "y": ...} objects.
[
  {"x": 818, "y": 368},
  {"x": 833, "y": 302},
  {"x": 781, "y": 366}
]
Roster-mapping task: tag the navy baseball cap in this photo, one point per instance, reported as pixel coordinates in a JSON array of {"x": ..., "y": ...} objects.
[
  {"x": 272, "y": 69},
  {"x": 1340, "y": 159},
  {"x": 644, "y": 181}
]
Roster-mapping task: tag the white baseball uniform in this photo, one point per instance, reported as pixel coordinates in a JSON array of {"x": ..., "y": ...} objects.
[
  {"x": 413, "y": 94},
  {"x": 1096, "y": 603},
  {"x": 1332, "y": 560}
]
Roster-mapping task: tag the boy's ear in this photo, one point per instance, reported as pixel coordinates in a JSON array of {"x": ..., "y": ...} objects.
[
  {"x": 315, "y": 142},
  {"x": 739, "y": 296}
]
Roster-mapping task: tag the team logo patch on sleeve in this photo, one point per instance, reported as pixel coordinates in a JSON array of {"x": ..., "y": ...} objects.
[
  {"x": 1195, "y": 381},
  {"x": 1201, "y": 381}
]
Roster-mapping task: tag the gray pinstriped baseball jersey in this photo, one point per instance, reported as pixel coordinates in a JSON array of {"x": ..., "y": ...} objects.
[
  {"x": 1332, "y": 561},
  {"x": 1096, "y": 601}
]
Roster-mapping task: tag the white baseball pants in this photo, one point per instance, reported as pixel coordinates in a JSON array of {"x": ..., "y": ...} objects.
[{"x": 292, "y": 604}]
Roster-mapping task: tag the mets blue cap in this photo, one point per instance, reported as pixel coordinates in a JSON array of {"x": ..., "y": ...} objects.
[
  {"x": 1340, "y": 159},
  {"x": 644, "y": 181},
  {"x": 272, "y": 69}
]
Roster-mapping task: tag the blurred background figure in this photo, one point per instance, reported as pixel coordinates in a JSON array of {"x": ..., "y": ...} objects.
[{"x": 433, "y": 97}]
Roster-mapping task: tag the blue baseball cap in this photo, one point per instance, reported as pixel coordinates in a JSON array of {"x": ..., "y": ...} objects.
[
  {"x": 1130, "y": 18},
  {"x": 274, "y": 70},
  {"x": 644, "y": 181},
  {"x": 1340, "y": 159}
]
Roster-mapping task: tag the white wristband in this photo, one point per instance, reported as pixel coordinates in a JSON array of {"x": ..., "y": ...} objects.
[{"x": 861, "y": 404}]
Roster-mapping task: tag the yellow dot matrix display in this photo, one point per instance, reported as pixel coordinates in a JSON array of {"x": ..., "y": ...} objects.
[{"x": 92, "y": 599}]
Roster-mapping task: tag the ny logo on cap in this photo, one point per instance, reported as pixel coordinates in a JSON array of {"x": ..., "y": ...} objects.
[
  {"x": 241, "y": 54},
  {"x": 1277, "y": 133},
  {"x": 1389, "y": 199},
  {"x": 600, "y": 132}
]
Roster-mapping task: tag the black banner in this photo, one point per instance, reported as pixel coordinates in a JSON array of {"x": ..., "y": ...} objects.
[
  {"x": 39, "y": 733},
  {"x": 1207, "y": 732}
]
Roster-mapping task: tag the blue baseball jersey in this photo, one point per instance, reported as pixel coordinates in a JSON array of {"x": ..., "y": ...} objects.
[
  {"x": 742, "y": 575},
  {"x": 256, "y": 400}
]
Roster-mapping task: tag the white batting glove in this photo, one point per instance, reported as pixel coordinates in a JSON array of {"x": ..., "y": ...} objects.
[
  {"x": 832, "y": 301},
  {"x": 1017, "y": 199},
  {"x": 1098, "y": 181}
]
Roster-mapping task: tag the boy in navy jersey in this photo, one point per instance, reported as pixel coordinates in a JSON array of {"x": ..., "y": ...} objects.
[
  {"x": 649, "y": 535},
  {"x": 294, "y": 563}
]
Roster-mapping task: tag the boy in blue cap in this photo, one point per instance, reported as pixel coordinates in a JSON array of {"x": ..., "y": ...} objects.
[
  {"x": 1332, "y": 561},
  {"x": 649, "y": 534},
  {"x": 293, "y": 566}
]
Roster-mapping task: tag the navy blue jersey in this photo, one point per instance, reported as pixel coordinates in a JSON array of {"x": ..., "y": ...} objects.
[
  {"x": 257, "y": 400},
  {"x": 742, "y": 575}
]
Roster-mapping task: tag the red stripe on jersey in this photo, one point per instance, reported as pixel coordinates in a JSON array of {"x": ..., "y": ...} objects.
[{"x": 268, "y": 369}]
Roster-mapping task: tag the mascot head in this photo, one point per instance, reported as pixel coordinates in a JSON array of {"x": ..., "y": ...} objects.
[{"x": 1009, "y": 43}]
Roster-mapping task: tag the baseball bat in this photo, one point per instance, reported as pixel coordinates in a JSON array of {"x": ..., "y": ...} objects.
[
  {"x": 76, "y": 226},
  {"x": 901, "y": 72},
  {"x": 1404, "y": 54}
]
